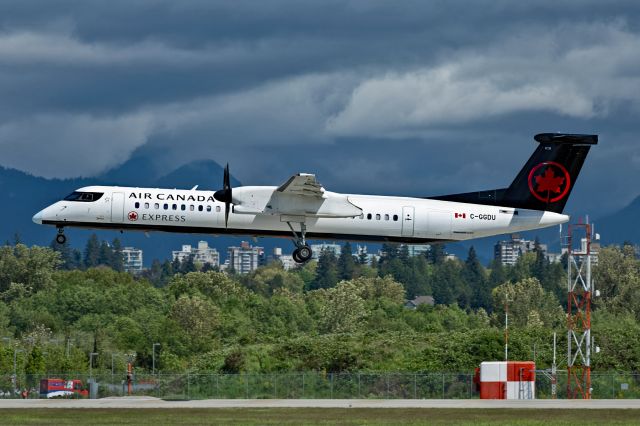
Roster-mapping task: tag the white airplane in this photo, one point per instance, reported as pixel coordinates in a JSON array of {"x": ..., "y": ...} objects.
[{"x": 302, "y": 209}]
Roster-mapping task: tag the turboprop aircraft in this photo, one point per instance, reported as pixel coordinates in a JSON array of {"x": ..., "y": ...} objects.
[{"x": 302, "y": 209}]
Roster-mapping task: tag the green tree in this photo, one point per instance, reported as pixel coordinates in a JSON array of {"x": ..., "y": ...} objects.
[
  {"x": 154, "y": 273},
  {"x": 377, "y": 288},
  {"x": 105, "y": 256},
  {"x": 327, "y": 270},
  {"x": 26, "y": 270},
  {"x": 528, "y": 303},
  {"x": 307, "y": 273},
  {"x": 92, "y": 252},
  {"x": 449, "y": 286},
  {"x": 343, "y": 309},
  {"x": 68, "y": 256},
  {"x": 117, "y": 261},
  {"x": 167, "y": 272},
  {"x": 346, "y": 263},
  {"x": 268, "y": 279},
  {"x": 388, "y": 252},
  {"x": 188, "y": 265},
  {"x": 436, "y": 254},
  {"x": 476, "y": 277},
  {"x": 35, "y": 365},
  {"x": 197, "y": 317},
  {"x": 498, "y": 274},
  {"x": 176, "y": 265},
  {"x": 617, "y": 276}
]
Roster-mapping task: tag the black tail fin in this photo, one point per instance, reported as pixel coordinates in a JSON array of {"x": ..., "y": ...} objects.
[{"x": 546, "y": 180}]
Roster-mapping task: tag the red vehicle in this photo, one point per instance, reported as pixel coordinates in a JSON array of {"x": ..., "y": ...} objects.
[{"x": 60, "y": 388}]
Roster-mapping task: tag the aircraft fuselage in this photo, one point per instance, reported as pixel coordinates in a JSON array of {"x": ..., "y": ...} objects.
[{"x": 383, "y": 218}]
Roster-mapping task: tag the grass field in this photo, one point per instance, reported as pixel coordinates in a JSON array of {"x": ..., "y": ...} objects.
[{"x": 336, "y": 416}]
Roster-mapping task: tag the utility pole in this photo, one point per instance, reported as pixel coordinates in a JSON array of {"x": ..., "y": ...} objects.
[
  {"x": 91, "y": 355},
  {"x": 554, "y": 371},
  {"x": 153, "y": 365},
  {"x": 506, "y": 327},
  {"x": 112, "y": 369},
  {"x": 506, "y": 331},
  {"x": 15, "y": 368}
]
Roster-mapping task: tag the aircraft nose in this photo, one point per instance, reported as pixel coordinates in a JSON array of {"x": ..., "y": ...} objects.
[{"x": 37, "y": 218}]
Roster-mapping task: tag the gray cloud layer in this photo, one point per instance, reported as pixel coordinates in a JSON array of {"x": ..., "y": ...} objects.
[{"x": 411, "y": 97}]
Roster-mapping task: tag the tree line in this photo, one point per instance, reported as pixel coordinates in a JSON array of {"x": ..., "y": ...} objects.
[{"x": 337, "y": 314}]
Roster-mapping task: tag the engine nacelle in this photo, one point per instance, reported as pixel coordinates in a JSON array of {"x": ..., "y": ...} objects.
[{"x": 268, "y": 200}]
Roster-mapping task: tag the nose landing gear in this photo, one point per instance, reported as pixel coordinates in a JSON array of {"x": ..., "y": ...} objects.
[
  {"x": 302, "y": 253},
  {"x": 61, "y": 238}
]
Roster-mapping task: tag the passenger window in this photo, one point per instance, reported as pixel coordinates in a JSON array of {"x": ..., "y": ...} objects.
[
  {"x": 386, "y": 217},
  {"x": 362, "y": 216},
  {"x": 200, "y": 208},
  {"x": 174, "y": 207},
  {"x": 137, "y": 205},
  {"x": 369, "y": 216},
  {"x": 208, "y": 208},
  {"x": 395, "y": 217},
  {"x": 157, "y": 206},
  {"x": 191, "y": 207},
  {"x": 146, "y": 205},
  {"x": 217, "y": 209},
  {"x": 378, "y": 216},
  {"x": 166, "y": 206},
  {"x": 183, "y": 207}
]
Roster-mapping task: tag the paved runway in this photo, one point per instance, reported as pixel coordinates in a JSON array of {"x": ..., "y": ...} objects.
[{"x": 150, "y": 402}]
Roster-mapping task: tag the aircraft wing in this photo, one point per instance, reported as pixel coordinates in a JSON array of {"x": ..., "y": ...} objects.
[
  {"x": 301, "y": 195},
  {"x": 302, "y": 184}
]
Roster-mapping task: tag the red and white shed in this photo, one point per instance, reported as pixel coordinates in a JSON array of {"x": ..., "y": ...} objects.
[{"x": 507, "y": 380}]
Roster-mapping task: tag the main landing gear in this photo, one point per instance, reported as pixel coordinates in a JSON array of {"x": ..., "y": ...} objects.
[
  {"x": 61, "y": 238},
  {"x": 302, "y": 253}
]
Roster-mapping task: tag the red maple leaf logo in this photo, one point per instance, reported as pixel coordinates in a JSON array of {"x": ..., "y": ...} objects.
[
  {"x": 549, "y": 182},
  {"x": 133, "y": 216},
  {"x": 552, "y": 185}
]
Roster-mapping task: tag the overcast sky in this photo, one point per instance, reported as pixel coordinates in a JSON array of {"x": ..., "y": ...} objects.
[{"x": 409, "y": 97}]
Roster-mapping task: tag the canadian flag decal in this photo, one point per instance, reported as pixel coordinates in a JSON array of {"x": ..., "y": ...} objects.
[{"x": 461, "y": 215}]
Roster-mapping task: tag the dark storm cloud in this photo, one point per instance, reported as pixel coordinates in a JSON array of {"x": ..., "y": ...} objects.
[{"x": 412, "y": 97}]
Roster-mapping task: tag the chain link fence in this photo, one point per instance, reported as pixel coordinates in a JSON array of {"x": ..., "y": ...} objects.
[{"x": 312, "y": 385}]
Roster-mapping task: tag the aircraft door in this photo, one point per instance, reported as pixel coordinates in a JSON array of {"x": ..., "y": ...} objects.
[
  {"x": 408, "y": 221},
  {"x": 117, "y": 207},
  {"x": 439, "y": 225}
]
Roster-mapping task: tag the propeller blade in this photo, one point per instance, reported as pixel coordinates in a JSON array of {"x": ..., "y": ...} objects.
[
  {"x": 225, "y": 195},
  {"x": 227, "y": 180}
]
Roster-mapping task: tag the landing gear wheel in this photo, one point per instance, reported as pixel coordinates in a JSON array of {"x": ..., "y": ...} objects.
[
  {"x": 61, "y": 239},
  {"x": 304, "y": 253},
  {"x": 296, "y": 256}
]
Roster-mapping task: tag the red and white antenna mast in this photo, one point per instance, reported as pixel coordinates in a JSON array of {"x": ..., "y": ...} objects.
[{"x": 579, "y": 292}]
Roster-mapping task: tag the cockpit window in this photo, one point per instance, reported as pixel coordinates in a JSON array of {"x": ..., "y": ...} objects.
[{"x": 84, "y": 196}]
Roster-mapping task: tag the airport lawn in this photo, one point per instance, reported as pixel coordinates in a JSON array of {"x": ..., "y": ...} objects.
[{"x": 330, "y": 416}]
